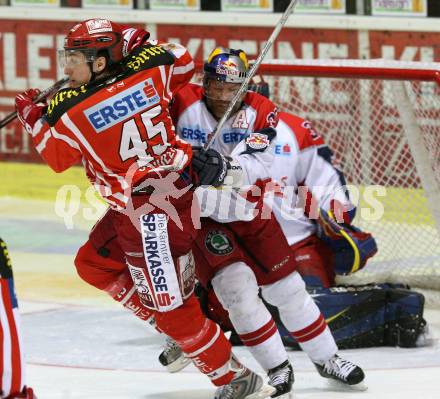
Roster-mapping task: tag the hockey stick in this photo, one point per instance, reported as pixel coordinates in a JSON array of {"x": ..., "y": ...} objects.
[
  {"x": 251, "y": 73},
  {"x": 44, "y": 94}
]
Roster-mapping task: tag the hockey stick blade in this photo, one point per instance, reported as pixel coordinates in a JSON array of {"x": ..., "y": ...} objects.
[
  {"x": 251, "y": 73},
  {"x": 44, "y": 94}
]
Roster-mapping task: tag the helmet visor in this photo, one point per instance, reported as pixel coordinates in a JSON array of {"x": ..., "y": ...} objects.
[
  {"x": 71, "y": 58},
  {"x": 218, "y": 90}
]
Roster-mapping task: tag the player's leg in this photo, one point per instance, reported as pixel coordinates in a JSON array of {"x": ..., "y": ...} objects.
[
  {"x": 301, "y": 316},
  {"x": 221, "y": 260},
  {"x": 237, "y": 290},
  {"x": 156, "y": 259},
  {"x": 12, "y": 366},
  {"x": 100, "y": 262}
]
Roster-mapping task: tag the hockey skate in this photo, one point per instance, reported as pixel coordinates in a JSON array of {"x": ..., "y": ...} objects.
[
  {"x": 245, "y": 385},
  {"x": 281, "y": 378},
  {"x": 342, "y": 371},
  {"x": 172, "y": 357},
  {"x": 27, "y": 393}
]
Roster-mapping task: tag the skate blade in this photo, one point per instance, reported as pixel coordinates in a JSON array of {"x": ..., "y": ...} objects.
[
  {"x": 178, "y": 364},
  {"x": 265, "y": 392},
  {"x": 361, "y": 387}
]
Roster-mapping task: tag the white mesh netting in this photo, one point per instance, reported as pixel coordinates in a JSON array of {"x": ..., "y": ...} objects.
[{"x": 361, "y": 120}]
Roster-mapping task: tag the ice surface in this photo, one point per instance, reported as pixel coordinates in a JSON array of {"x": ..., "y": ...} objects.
[{"x": 79, "y": 344}]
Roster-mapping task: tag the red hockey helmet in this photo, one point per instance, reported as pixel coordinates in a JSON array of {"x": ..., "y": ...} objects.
[{"x": 92, "y": 36}]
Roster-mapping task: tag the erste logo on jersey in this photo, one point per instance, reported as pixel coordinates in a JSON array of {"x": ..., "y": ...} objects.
[
  {"x": 122, "y": 106},
  {"x": 194, "y": 134},
  {"x": 283, "y": 149}
]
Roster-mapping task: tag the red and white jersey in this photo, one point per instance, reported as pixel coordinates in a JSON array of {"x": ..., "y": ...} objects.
[
  {"x": 194, "y": 123},
  {"x": 120, "y": 125},
  {"x": 301, "y": 159},
  {"x": 299, "y": 155}
]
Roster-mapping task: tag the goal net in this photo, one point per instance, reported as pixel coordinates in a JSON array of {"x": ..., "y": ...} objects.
[{"x": 382, "y": 121}]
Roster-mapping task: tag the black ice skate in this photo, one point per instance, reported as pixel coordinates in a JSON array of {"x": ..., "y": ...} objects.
[
  {"x": 245, "y": 385},
  {"x": 281, "y": 378},
  {"x": 341, "y": 370},
  {"x": 172, "y": 357}
]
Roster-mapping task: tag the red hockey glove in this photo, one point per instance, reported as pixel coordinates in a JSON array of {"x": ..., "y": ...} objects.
[
  {"x": 27, "y": 111},
  {"x": 133, "y": 38}
]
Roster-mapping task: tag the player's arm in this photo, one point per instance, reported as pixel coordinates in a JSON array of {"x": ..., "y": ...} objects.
[
  {"x": 267, "y": 111},
  {"x": 325, "y": 183},
  {"x": 53, "y": 143},
  {"x": 183, "y": 68},
  {"x": 255, "y": 155}
]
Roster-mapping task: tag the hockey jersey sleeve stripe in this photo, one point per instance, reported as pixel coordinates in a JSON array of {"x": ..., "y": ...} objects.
[
  {"x": 63, "y": 137},
  {"x": 40, "y": 147},
  {"x": 184, "y": 69},
  {"x": 37, "y": 127},
  {"x": 168, "y": 83}
]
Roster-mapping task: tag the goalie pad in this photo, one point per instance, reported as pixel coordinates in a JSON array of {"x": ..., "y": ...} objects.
[
  {"x": 367, "y": 316},
  {"x": 351, "y": 247},
  {"x": 358, "y": 316}
]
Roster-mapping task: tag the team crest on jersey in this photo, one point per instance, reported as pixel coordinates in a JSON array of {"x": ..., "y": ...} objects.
[
  {"x": 218, "y": 243},
  {"x": 123, "y": 105},
  {"x": 257, "y": 141}
]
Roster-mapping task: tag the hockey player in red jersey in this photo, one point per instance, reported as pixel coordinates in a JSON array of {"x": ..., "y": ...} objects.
[
  {"x": 115, "y": 119},
  {"x": 12, "y": 365}
]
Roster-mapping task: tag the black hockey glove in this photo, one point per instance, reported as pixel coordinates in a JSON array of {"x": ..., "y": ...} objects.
[{"x": 210, "y": 166}]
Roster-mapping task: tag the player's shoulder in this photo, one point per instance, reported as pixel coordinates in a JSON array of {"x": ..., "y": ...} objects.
[
  {"x": 147, "y": 56},
  {"x": 257, "y": 101},
  {"x": 266, "y": 111},
  {"x": 187, "y": 96},
  {"x": 305, "y": 134},
  {"x": 66, "y": 99}
]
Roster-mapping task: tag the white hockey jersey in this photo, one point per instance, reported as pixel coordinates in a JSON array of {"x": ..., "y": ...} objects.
[{"x": 298, "y": 156}]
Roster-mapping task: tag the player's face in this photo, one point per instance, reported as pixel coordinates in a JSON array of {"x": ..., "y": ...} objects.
[
  {"x": 219, "y": 94},
  {"x": 76, "y": 67}
]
